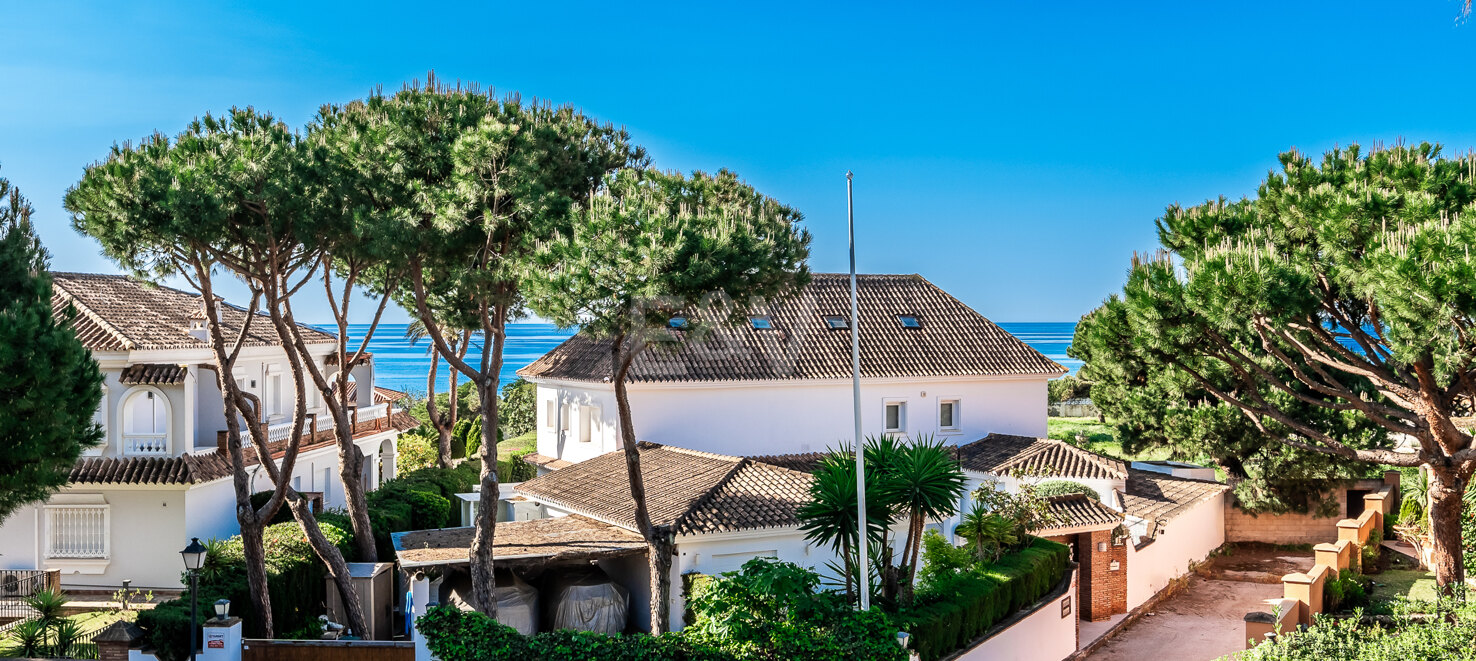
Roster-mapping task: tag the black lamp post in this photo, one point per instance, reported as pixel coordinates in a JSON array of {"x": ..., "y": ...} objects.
[{"x": 194, "y": 558}]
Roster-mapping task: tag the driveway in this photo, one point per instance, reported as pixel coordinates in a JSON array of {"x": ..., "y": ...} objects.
[{"x": 1205, "y": 619}]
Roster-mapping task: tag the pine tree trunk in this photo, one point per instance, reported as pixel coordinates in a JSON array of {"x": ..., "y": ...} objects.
[
  {"x": 483, "y": 575},
  {"x": 658, "y": 550},
  {"x": 1445, "y": 528},
  {"x": 356, "y": 501},
  {"x": 253, "y": 547},
  {"x": 442, "y": 425},
  {"x": 333, "y": 558}
]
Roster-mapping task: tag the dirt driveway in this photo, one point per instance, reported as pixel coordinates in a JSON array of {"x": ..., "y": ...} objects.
[{"x": 1205, "y": 620}]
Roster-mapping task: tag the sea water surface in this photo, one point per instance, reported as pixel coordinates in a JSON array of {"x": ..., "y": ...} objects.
[{"x": 403, "y": 365}]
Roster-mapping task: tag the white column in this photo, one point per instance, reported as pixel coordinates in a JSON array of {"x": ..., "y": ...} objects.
[
  {"x": 420, "y": 597},
  {"x": 222, "y": 640}
]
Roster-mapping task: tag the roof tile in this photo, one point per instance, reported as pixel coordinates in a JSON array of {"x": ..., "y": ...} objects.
[{"x": 1006, "y": 453}]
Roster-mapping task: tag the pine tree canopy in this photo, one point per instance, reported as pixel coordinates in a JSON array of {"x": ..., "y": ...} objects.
[
  {"x": 1327, "y": 321},
  {"x": 50, "y": 387}
]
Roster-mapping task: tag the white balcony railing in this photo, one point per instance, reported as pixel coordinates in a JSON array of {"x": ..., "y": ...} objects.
[
  {"x": 146, "y": 445},
  {"x": 369, "y": 413},
  {"x": 79, "y": 531}
]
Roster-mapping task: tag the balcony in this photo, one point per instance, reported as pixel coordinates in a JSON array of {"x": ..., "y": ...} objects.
[
  {"x": 318, "y": 429},
  {"x": 146, "y": 445}
]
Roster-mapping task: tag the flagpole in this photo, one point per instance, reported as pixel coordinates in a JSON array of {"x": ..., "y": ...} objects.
[{"x": 861, "y": 554}]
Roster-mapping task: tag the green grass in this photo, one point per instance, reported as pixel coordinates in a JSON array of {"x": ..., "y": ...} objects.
[
  {"x": 1413, "y": 584},
  {"x": 517, "y": 445},
  {"x": 1100, "y": 438}
]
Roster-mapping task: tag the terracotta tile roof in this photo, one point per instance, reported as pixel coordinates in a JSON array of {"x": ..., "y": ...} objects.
[
  {"x": 185, "y": 469},
  {"x": 403, "y": 421},
  {"x": 120, "y": 313},
  {"x": 545, "y": 461},
  {"x": 562, "y": 538},
  {"x": 384, "y": 395},
  {"x": 153, "y": 374},
  {"x": 952, "y": 340},
  {"x": 1007, "y": 453},
  {"x": 1077, "y": 512},
  {"x": 804, "y": 462},
  {"x": 1162, "y": 497},
  {"x": 689, "y": 491}
]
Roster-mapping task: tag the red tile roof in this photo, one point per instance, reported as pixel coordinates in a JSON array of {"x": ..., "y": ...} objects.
[
  {"x": 1152, "y": 495},
  {"x": 120, "y": 313},
  {"x": 691, "y": 492},
  {"x": 952, "y": 340},
  {"x": 153, "y": 374},
  {"x": 1000, "y": 454}
]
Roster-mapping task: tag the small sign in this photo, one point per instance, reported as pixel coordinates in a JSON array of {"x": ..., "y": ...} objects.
[
  {"x": 1114, "y": 566},
  {"x": 1066, "y": 607},
  {"x": 215, "y": 644}
]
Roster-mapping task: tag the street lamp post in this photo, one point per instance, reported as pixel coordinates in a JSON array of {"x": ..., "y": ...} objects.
[{"x": 194, "y": 558}]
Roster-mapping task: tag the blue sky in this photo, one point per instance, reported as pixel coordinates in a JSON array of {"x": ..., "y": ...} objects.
[{"x": 1014, "y": 155}]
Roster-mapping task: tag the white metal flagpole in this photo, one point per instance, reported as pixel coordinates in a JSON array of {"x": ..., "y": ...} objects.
[{"x": 864, "y": 561}]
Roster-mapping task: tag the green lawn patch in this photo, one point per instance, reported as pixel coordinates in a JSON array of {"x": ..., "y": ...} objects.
[
  {"x": 525, "y": 443},
  {"x": 1098, "y": 437},
  {"x": 1412, "y": 584}
]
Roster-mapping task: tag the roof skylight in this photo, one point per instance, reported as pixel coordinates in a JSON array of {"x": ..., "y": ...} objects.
[
  {"x": 835, "y": 321},
  {"x": 762, "y": 322},
  {"x": 679, "y": 323},
  {"x": 909, "y": 321}
]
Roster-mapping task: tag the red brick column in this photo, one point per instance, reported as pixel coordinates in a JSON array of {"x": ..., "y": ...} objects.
[{"x": 1104, "y": 575}]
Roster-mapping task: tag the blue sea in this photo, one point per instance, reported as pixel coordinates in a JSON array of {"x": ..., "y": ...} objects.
[{"x": 402, "y": 365}]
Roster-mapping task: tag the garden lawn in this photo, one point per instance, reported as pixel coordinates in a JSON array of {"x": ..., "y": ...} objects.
[
  {"x": 517, "y": 445},
  {"x": 1100, "y": 438},
  {"x": 1413, "y": 584}
]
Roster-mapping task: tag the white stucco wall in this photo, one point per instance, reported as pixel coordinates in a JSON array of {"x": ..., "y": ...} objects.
[
  {"x": 743, "y": 418},
  {"x": 1044, "y": 635},
  {"x": 1189, "y": 537},
  {"x": 147, "y": 530}
]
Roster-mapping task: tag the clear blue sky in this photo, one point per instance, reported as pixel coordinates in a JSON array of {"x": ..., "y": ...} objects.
[{"x": 1014, "y": 155}]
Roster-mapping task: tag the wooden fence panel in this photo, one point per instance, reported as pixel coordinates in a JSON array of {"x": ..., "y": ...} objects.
[{"x": 326, "y": 650}]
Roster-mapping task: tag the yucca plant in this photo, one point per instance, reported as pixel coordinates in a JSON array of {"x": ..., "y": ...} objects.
[
  {"x": 920, "y": 480},
  {"x": 27, "y": 639},
  {"x": 989, "y": 533},
  {"x": 830, "y": 518}
]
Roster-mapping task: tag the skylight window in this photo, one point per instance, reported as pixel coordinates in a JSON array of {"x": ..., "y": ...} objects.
[
  {"x": 761, "y": 322},
  {"x": 909, "y": 321},
  {"x": 835, "y": 321},
  {"x": 679, "y": 323}
]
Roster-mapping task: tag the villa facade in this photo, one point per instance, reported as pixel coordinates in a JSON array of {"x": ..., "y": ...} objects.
[{"x": 161, "y": 475}]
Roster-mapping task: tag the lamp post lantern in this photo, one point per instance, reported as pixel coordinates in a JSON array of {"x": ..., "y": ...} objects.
[{"x": 194, "y": 557}]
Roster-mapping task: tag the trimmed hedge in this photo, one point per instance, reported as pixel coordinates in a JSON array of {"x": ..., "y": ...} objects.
[
  {"x": 970, "y": 603},
  {"x": 456, "y": 635},
  {"x": 1053, "y": 488},
  {"x": 295, "y": 580}
]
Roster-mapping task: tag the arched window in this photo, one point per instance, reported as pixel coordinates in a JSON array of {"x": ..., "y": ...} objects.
[{"x": 145, "y": 424}]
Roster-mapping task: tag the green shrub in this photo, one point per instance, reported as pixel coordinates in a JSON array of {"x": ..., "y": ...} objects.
[
  {"x": 514, "y": 469},
  {"x": 517, "y": 410},
  {"x": 456, "y": 635},
  {"x": 1345, "y": 592},
  {"x": 295, "y": 580},
  {"x": 416, "y": 449},
  {"x": 428, "y": 510},
  {"x": 467, "y": 434},
  {"x": 956, "y": 606},
  {"x": 1052, "y": 488},
  {"x": 1356, "y": 639}
]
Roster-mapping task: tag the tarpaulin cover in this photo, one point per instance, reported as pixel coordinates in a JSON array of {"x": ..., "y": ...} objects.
[
  {"x": 517, "y": 604},
  {"x": 587, "y": 600}
]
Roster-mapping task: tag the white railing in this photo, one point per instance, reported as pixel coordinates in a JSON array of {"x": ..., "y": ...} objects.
[
  {"x": 146, "y": 445},
  {"x": 279, "y": 432},
  {"x": 77, "y": 531},
  {"x": 373, "y": 412}
]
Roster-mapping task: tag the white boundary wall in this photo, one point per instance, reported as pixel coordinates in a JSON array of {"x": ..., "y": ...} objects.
[
  {"x": 1044, "y": 635},
  {"x": 1189, "y": 537}
]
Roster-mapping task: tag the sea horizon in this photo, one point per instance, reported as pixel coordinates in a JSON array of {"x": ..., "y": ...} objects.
[{"x": 404, "y": 365}]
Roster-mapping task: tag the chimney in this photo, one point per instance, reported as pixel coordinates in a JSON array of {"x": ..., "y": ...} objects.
[{"x": 197, "y": 328}]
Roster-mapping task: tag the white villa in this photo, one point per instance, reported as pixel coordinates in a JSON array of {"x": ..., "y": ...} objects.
[
  {"x": 731, "y": 426},
  {"x": 162, "y": 475},
  {"x": 781, "y": 383}
]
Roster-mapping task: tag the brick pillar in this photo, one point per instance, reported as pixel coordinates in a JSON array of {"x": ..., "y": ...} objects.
[
  {"x": 115, "y": 640},
  {"x": 1104, "y": 575}
]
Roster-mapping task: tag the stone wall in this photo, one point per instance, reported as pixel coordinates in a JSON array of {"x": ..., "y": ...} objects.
[{"x": 1291, "y": 528}]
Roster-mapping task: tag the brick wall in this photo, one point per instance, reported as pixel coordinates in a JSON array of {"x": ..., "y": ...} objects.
[
  {"x": 1103, "y": 585},
  {"x": 1291, "y": 528}
]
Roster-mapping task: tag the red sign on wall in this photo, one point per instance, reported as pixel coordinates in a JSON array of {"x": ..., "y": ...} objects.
[{"x": 215, "y": 644}]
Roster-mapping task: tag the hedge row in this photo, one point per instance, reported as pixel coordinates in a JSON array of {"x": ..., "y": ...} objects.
[
  {"x": 456, "y": 635},
  {"x": 976, "y": 601},
  {"x": 295, "y": 580}
]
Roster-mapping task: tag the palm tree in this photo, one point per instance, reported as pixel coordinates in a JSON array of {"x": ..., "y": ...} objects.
[
  {"x": 830, "y": 518},
  {"x": 990, "y": 533},
  {"x": 459, "y": 340},
  {"x": 922, "y": 480}
]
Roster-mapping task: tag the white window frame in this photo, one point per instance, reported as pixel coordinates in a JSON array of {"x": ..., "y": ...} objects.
[
  {"x": 589, "y": 422},
  {"x": 123, "y": 421},
  {"x": 550, "y": 414},
  {"x": 272, "y": 393},
  {"x": 57, "y": 509},
  {"x": 901, "y": 405},
  {"x": 954, "y": 401}
]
